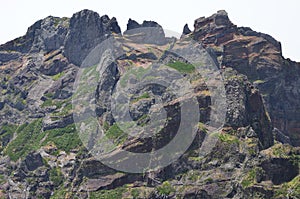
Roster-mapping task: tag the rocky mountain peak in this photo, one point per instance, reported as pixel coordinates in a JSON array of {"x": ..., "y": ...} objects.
[
  {"x": 152, "y": 32},
  {"x": 186, "y": 30},
  {"x": 42, "y": 154},
  {"x": 218, "y": 20},
  {"x": 87, "y": 29},
  {"x": 111, "y": 24},
  {"x": 44, "y": 35},
  {"x": 77, "y": 36},
  {"x": 259, "y": 57},
  {"x": 132, "y": 24}
]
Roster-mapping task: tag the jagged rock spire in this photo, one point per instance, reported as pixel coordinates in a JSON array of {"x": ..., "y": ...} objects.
[{"x": 186, "y": 30}]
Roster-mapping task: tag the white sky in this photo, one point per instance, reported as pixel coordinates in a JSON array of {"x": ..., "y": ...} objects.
[{"x": 275, "y": 17}]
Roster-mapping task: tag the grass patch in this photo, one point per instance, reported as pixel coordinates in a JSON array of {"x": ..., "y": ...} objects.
[
  {"x": 49, "y": 95},
  {"x": 165, "y": 189},
  {"x": 135, "y": 193},
  {"x": 116, "y": 134},
  {"x": 289, "y": 190},
  {"x": 2, "y": 179},
  {"x": 201, "y": 127},
  {"x": 59, "y": 194},
  {"x": 259, "y": 81},
  {"x": 4, "y": 91},
  {"x": 249, "y": 179},
  {"x": 6, "y": 134},
  {"x": 64, "y": 112},
  {"x": 50, "y": 102},
  {"x": 28, "y": 138},
  {"x": 182, "y": 67},
  {"x": 137, "y": 73},
  {"x": 143, "y": 96},
  {"x": 108, "y": 194},
  {"x": 56, "y": 176},
  {"x": 57, "y": 76},
  {"x": 224, "y": 137},
  {"x": 196, "y": 159},
  {"x": 64, "y": 139}
]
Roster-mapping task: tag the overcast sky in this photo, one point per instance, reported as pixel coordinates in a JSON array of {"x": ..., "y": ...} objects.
[{"x": 275, "y": 17}]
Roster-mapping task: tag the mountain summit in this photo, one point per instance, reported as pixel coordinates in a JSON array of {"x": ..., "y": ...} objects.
[{"x": 146, "y": 90}]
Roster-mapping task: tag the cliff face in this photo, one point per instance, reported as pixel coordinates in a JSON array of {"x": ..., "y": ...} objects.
[
  {"x": 259, "y": 57},
  {"x": 253, "y": 155}
]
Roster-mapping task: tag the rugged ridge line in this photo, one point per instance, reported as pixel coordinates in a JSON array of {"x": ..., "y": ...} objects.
[{"x": 42, "y": 156}]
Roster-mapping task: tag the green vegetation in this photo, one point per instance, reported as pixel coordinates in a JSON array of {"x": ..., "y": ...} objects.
[
  {"x": 143, "y": 96},
  {"x": 4, "y": 91},
  {"x": 224, "y": 137},
  {"x": 116, "y": 134},
  {"x": 286, "y": 152},
  {"x": 279, "y": 151},
  {"x": 57, "y": 76},
  {"x": 59, "y": 194},
  {"x": 202, "y": 127},
  {"x": 290, "y": 189},
  {"x": 143, "y": 120},
  {"x": 57, "y": 103},
  {"x": 2, "y": 179},
  {"x": 196, "y": 159},
  {"x": 56, "y": 176},
  {"x": 259, "y": 81},
  {"x": 48, "y": 102},
  {"x": 89, "y": 76},
  {"x": 137, "y": 73},
  {"x": 249, "y": 179},
  {"x": 64, "y": 112},
  {"x": 135, "y": 193},
  {"x": 6, "y": 134},
  {"x": 165, "y": 189},
  {"x": 49, "y": 95},
  {"x": 182, "y": 67},
  {"x": 208, "y": 180},
  {"x": 28, "y": 137},
  {"x": 64, "y": 138},
  {"x": 194, "y": 176},
  {"x": 108, "y": 194}
]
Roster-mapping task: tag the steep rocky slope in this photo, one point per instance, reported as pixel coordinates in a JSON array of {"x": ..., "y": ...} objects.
[
  {"x": 259, "y": 57},
  {"x": 256, "y": 153}
]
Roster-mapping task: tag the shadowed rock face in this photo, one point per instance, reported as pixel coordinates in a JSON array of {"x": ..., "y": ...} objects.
[
  {"x": 111, "y": 24},
  {"x": 186, "y": 30},
  {"x": 86, "y": 31},
  {"x": 42, "y": 155}
]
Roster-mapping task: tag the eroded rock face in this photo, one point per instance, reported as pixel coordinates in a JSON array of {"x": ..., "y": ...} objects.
[
  {"x": 246, "y": 108},
  {"x": 33, "y": 161},
  {"x": 44, "y": 35},
  {"x": 42, "y": 155},
  {"x": 147, "y": 32},
  {"x": 111, "y": 24},
  {"x": 259, "y": 57},
  {"x": 86, "y": 31},
  {"x": 132, "y": 24},
  {"x": 56, "y": 63}
]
